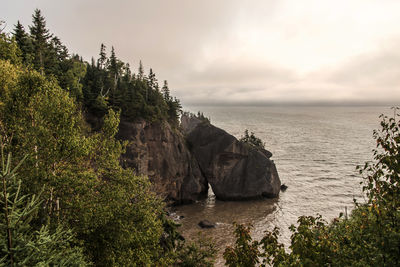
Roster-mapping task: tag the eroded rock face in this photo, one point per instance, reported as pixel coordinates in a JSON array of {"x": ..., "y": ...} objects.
[
  {"x": 159, "y": 152},
  {"x": 234, "y": 170}
]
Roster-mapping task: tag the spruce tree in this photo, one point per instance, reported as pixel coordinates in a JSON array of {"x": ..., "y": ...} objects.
[
  {"x": 19, "y": 34},
  {"x": 153, "y": 80},
  {"x": 101, "y": 62},
  {"x": 113, "y": 68},
  {"x": 60, "y": 50},
  {"x": 23, "y": 41},
  {"x": 140, "y": 71},
  {"x": 40, "y": 38},
  {"x": 165, "y": 91}
]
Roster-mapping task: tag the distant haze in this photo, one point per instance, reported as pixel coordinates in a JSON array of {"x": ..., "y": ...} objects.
[{"x": 240, "y": 52}]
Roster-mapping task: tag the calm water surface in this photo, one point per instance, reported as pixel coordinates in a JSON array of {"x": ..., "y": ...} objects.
[{"x": 315, "y": 149}]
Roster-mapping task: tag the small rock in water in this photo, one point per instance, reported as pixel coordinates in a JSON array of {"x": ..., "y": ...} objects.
[
  {"x": 283, "y": 187},
  {"x": 206, "y": 224}
]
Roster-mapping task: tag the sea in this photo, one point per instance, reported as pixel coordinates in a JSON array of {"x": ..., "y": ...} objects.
[{"x": 316, "y": 150}]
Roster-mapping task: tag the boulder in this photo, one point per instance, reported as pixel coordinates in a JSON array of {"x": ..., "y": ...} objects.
[
  {"x": 206, "y": 224},
  {"x": 235, "y": 170},
  {"x": 160, "y": 152},
  {"x": 284, "y": 187}
]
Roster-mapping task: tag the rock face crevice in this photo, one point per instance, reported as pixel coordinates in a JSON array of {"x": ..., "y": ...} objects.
[{"x": 181, "y": 163}]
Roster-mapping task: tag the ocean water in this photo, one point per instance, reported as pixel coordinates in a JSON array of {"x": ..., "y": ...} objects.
[{"x": 316, "y": 151}]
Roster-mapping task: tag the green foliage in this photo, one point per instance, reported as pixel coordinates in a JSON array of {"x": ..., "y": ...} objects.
[
  {"x": 20, "y": 243},
  {"x": 252, "y": 140},
  {"x": 245, "y": 252},
  {"x": 111, "y": 83},
  {"x": 24, "y": 43},
  {"x": 112, "y": 214},
  {"x": 199, "y": 116},
  {"x": 112, "y": 211},
  {"x": 199, "y": 253},
  {"x": 369, "y": 237},
  {"x": 9, "y": 49}
]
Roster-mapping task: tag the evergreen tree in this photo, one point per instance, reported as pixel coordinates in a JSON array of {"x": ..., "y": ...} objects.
[
  {"x": 112, "y": 66},
  {"x": 24, "y": 42},
  {"x": 20, "y": 34},
  {"x": 40, "y": 38},
  {"x": 140, "y": 71},
  {"x": 152, "y": 80},
  {"x": 165, "y": 91},
  {"x": 60, "y": 50},
  {"x": 113, "y": 70},
  {"x": 101, "y": 62}
]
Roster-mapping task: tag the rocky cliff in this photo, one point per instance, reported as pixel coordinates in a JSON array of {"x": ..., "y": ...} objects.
[
  {"x": 181, "y": 165},
  {"x": 160, "y": 152}
]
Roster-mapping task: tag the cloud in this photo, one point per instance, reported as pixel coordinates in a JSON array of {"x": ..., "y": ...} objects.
[{"x": 232, "y": 51}]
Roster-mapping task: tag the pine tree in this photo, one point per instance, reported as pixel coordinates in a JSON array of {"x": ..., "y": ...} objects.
[
  {"x": 165, "y": 91},
  {"x": 103, "y": 57},
  {"x": 60, "y": 50},
  {"x": 127, "y": 72},
  {"x": 153, "y": 80},
  {"x": 20, "y": 35},
  {"x": 113, "y": 67},
  {"x": 23, "y": 42},
  {"x": 140, "y": 71},
  {"x": 40, "y": 38}
]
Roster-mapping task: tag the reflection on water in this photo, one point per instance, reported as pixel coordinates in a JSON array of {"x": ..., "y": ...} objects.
[
  {"x": 315, "y": 149},
  {"x": 223, "y": 214}
]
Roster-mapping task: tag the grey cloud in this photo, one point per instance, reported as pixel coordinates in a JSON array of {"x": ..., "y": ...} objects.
[{"x": 197, "y": 46}]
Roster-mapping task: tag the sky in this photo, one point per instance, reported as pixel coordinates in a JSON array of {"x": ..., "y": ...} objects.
[{"x": 240, "y": 52}]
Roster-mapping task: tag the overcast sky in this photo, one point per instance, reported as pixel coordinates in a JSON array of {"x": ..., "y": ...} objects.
[{"x": 228, "y": 51}]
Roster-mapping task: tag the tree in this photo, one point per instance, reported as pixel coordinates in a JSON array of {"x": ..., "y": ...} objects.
[
  {"x": 245, "y": 252},
  {"x": 24, "y": 42},
  {"x": 165, "y": 91},
  {"x": 112, "y": 65},
  {"x": 72, "y": 79},
  {"x": 252, "y": 140},
  {"x": 21, "y": 244},
  {"x": 103, "y": 57},
  {"x": 60, "y": 51},
  {"x": 153, "y": 84},
  {"x": 40, "y": 38},
  {"x": 9, "y": 49},
  {"x": 140, "y": 71}
]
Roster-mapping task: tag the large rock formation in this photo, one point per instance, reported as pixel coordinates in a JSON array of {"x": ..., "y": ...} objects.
[
  {"x": 160, "y": 152},
  {"x": 181, "y": 167},
  {"x": 234, "y": 170}
]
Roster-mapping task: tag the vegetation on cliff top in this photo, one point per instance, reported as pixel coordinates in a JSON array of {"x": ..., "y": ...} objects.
[{"x": 252, "y": 140}]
